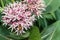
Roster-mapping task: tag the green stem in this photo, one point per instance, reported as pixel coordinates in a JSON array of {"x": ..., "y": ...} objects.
[
  {"x": 2, "y": 3},
  {"x": 12, "y": 1},
  {"x": 45, "y": 22},
  {"x": 49, "y": 3}
]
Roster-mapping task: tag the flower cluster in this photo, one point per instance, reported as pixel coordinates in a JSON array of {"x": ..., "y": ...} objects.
[
  {"x": 21, "y": 15},
  {"x": 36, "y": 6}
]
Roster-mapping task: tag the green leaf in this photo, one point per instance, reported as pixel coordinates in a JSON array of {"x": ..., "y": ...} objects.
[
  {"x": 3, "y": 33},
  {"x": 2, "y": 37},
  {"x": 48, "y": 15},
  {"x": 34, "y": 34},
  {"x": 10, "y": 35},
  {"x": 1, "y": 9},
  {"x": 48, "y": 2},
  {"x": 53, "y": 5},
  {"x": 18, "y": 37},
  {"x": 57, "y": 14},
  {"x": 53, "y": 32}
]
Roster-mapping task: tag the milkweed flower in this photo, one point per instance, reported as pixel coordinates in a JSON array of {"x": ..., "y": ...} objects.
[
  {"x": 21, "y": 15},
  {"x": 36, "y": 6},
  {"x": 18, "y": 17}
]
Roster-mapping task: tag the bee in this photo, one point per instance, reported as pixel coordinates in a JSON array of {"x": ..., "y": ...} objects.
[{"x": 19, "y": 27}]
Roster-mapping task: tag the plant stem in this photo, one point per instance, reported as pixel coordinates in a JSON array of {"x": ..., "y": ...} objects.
[
  {"x": 45, "y": 22},
  {"x": 12, "y": 1},
  {"x": 2, "y": 3}
]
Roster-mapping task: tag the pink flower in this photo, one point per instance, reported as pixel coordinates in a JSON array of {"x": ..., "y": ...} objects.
[
  {"x": 31, "y": 1},
  {"x": 21, "y": 15},
  {"x": 18, "y": 17},
  {"x": 36, "y": 6}
]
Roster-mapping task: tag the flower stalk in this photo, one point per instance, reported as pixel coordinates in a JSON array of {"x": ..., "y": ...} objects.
[
  {"x": 12, "y": 1},
  {"x": 2, "y": 3}
]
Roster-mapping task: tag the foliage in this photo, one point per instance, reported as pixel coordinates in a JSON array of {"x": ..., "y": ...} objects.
[{"x": 46, "y": 28}]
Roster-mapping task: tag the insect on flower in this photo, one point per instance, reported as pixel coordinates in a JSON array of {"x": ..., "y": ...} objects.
[
  {"x": 17, "y": 17},
  {"x": 21, "y": 15}
]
